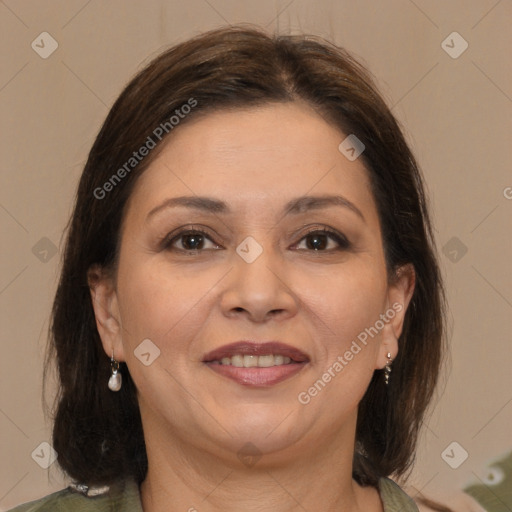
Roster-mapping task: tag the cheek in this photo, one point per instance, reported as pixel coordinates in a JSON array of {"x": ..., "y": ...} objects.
[
  {"x": 347, "y": 301},
  {"x": 163, "y": 303},
  {"x": 168, "y": 307},
  {"x": 346, "y": 311}
]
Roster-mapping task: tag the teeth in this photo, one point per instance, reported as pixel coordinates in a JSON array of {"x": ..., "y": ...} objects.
[
  {"x": 237, "y": 361},
  {"x": 265, "y": 361},
  {"x": 250, "y": 361}
]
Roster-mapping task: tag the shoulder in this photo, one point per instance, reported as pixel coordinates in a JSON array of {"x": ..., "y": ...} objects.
[
  {"x": 57, "y": 502},
  {"x": 394, "y": 498},
  {"x": 123, "y": 496}
]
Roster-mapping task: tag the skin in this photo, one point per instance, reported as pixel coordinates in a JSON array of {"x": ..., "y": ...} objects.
[{"x": 196, "y": 421}]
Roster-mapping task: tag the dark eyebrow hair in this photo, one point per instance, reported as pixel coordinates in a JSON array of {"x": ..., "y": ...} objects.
[{"x": 295, "y": 206}]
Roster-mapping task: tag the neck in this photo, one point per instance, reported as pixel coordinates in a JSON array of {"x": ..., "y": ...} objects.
[{"x": 185, "y": 477}]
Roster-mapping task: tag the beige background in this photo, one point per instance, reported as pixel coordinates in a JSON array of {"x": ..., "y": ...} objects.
[{"x": 456, "y": 113}]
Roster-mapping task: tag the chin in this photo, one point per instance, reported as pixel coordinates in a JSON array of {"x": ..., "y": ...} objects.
[{"x": 267, "y": 432}]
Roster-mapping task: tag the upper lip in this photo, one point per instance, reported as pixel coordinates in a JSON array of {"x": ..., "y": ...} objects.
[{"x": 256, "y": 349}]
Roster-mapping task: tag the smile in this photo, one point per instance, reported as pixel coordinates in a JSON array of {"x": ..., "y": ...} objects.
[
  {"x": 250, "y": 361},
  {"x": 256, "y": 364}
]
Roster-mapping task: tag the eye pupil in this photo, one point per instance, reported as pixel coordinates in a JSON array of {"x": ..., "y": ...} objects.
[
  {"x": 195, "y": 240},
  {"x": 318, "y": 242}
]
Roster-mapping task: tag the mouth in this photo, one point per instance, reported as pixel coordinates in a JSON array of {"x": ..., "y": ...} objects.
[{"x": 256, "y": 364}]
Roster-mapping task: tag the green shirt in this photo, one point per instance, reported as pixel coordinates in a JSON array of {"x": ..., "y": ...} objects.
[{"x": 125, "y": 497}]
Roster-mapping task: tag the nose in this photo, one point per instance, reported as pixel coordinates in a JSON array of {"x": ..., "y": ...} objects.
[{"x": 259, "y": 290}]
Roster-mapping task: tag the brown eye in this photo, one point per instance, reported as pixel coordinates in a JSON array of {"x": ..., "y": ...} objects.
[
  {"x": 318, "y": 240},
  {"x": 190, "y": 240}
]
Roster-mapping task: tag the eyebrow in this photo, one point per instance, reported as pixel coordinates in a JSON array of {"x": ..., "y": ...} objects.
[{"x": 295, "y": 206}]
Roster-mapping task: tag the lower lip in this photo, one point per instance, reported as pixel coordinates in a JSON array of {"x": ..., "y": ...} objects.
[{"x": 257, "y": 377}]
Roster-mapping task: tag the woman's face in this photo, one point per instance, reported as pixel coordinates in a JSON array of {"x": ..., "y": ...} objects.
[{"x": 252, "y": 274}]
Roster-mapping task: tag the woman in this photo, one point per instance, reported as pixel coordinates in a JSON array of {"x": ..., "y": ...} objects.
[{"x": 250, "y": 314}]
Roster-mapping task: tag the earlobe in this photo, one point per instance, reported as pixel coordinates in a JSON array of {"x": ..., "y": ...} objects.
[{"x": 106, "y": 311}]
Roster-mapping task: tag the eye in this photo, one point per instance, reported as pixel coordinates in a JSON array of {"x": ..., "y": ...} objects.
[
  {"x": 196, "y": 240},
  {"x": 190, "y": 240},
  {"x": 318, "y": 240}
]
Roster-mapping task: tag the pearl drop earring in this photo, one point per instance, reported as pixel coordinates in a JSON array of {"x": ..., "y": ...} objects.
[{"x": 116, "y": 379}]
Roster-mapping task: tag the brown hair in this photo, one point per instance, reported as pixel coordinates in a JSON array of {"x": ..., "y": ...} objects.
[{"x": 98, "y": 434}]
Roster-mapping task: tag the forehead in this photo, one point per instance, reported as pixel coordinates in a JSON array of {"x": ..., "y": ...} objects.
[{"x": 259, "y": 156}]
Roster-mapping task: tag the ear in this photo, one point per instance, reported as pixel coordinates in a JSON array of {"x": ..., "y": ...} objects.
[
  {"x": 106, "y": 311},
  {"x": 400, "y": 291}
]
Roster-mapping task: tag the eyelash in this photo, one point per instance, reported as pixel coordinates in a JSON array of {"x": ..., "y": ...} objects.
[{"x": 340, "y": 239}]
